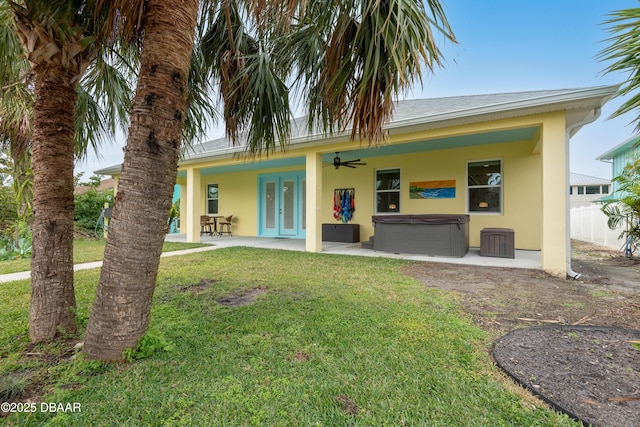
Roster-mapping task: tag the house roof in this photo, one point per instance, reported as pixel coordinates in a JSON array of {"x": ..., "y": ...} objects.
[
  {"x": 580, "y": 179},
  {"x": 433, "y": 113},
  {"x": 620, "y": 148},
  {"x": 105, "y": 184}
]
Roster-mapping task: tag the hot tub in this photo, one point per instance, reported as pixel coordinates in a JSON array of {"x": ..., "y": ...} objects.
[{"x": 434, "y": 234}]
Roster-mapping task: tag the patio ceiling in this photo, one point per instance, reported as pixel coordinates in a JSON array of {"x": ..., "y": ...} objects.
[{"x": 501, "y": 136}]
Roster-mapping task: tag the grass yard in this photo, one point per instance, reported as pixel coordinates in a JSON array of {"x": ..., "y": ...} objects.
[
  {"x": 329, "y": 341},
  {"x": 87, "y": 251}
]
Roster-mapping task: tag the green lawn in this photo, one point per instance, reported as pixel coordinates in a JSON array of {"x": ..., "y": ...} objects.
[
  {"x": 333, "y": 341},
  {"x": 86, "y": 251}
]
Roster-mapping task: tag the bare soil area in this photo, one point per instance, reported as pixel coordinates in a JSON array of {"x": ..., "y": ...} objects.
[{"x": 607, "y": 294}]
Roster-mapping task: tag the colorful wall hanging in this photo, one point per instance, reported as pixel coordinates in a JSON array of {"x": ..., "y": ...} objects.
[
  {"x": 444, "y": 189},
  {"x": 344, "y": 204}
]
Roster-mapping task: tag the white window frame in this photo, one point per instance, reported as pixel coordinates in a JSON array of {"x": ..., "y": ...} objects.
[
  {"x": 500, "y": 186},
  {"x": 206, "y": 197},
  {"x": 376, "y": 191}
]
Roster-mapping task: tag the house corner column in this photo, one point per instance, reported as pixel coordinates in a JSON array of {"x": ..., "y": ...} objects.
[
  {"x": 314, "y": 202},
  {"x": 184, "y": 219},
  {"x": 193, "y": 205},
  {"x": 554, "y": 200}
]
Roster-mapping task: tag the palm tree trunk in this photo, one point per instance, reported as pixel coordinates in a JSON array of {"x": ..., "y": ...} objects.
[
  {"x": 120, "y": 315},
  {"x": 53, "y": 304}
]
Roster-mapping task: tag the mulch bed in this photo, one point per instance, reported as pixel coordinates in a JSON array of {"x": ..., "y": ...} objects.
[{"x": 591, "y": 373}]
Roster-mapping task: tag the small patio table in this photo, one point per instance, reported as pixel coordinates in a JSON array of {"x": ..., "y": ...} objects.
[{"x": 215, "y": 230}]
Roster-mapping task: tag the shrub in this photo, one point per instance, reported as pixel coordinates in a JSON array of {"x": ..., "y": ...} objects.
[
  {"x": 88, "y": 207},
  {"x": 8, "y": 210},
  {"x": 148, "y": 345},
  {"x": 626, "y": 210},
  {"x": 16, "y": 246}
]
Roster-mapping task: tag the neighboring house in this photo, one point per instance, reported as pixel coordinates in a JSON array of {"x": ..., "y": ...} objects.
[
  {"x": 517, "y": 143},
  {"x": 585, "y": 190},
  {"x": 619, "y": 156},
  {"x": 591, "y": 224},
  {"x": 105, "y": 184}
]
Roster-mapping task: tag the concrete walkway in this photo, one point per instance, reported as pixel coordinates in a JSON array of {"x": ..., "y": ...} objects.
[{"x": 523, "y": 259}]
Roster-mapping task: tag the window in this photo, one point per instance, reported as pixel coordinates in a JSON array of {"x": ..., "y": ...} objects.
[
  {"x": 605, "y": 189},
  {"x": 212, "y": 199},
  {"x": 484, "y": 186},
  {"x": 570, "y": 190},
  {"x": 593, "y": 189},
  {"x": 581, "y": 190},
  {"x": 388, "y": 191}
]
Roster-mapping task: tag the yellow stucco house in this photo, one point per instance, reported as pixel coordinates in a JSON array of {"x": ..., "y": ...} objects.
[{"x": 520, "y": 141}]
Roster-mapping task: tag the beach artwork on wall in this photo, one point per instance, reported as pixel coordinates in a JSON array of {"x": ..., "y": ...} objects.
[{"x": 444, "y": 189}]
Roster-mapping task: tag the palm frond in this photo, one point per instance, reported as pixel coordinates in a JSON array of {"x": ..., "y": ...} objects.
[
  {"x": 120, "y": 20},
  {"x": 224, "y": 48},
  {"x": 623, "y": 51},
  {"x": 200, "y": 112},
  {"x": 264, "y": 105},
  {"x": 374, "y": 51},
  {"x": 104, "y": 100}
]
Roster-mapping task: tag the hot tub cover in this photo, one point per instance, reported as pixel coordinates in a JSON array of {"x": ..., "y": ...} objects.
[{"x": 421, "y": 219}]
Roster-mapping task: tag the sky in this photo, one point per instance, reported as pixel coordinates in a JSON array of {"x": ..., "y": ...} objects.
[{"x": 512, "y": 46}]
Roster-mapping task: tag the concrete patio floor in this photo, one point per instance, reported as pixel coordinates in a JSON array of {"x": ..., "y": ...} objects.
[{"x": 523, "y": 259}]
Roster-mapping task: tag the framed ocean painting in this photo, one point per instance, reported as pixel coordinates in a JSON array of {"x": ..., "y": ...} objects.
[{"x": 443, "y": 189}]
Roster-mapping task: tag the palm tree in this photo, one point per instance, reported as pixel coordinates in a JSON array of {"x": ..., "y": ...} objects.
[
  {"x": 347, "y": 60},
  {"x": 121, "y": 310},
  {"x": 52, "y": 43},
  {"x": 55, "y": 39}
]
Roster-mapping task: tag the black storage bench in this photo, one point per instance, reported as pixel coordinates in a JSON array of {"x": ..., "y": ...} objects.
[
  {"x": 434, "y": 234},
  {"x": 347, "y": 233}
]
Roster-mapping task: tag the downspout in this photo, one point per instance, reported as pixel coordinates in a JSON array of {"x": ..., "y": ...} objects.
[{"x": 570, "y": 129}]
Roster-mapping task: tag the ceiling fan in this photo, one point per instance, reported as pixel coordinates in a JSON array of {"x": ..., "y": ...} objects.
[{"x": 348, "y": 163}]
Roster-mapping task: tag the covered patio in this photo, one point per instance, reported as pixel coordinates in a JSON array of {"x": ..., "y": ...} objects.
[{"x": 523, "y": 258}]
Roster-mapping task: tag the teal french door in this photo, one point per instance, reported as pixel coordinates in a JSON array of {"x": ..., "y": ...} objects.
[{"x": 282, "y": 210}]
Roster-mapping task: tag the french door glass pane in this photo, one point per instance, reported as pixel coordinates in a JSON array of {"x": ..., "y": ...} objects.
[
  {"x": 288, "y": 199},
  {"x": 270, "y": 205},
  {"x": 304, "y": 204}
]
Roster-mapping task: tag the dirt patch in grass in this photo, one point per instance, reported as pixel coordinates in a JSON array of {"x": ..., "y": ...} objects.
[
  {"x": 244, "y": 298},
  {"x": 301, "y": 356},
  {"x": 347, "y": 405},
  {"x": 197, "y": 287},
  {"x": 503, "y": 299},
  {"x": 29, "y": 385}
]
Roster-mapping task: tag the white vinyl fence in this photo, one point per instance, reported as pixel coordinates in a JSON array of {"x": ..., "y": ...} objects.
[{"x": 589, "y": 223}]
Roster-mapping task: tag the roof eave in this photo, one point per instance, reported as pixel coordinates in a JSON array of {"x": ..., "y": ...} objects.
[
  {"x": 609, "y": 155},
  {"x": 569, "y": 100},
  {"x": 539, "y": 105},
  {"x": 109, "y": 170}
]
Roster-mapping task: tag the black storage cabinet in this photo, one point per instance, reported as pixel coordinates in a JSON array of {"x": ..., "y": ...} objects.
[
  {"x": 497, "y": 242},
  {"x": 434, "y": 234},
  {"x": 348, "y": 233}
]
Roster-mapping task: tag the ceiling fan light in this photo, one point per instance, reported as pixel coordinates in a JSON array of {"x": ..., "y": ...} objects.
[{"x": 336, "y": 162}]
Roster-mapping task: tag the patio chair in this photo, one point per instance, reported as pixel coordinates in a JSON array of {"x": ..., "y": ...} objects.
[
  {"x": 225, "y": 225},
  {"x": 206, "y": 225}
]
